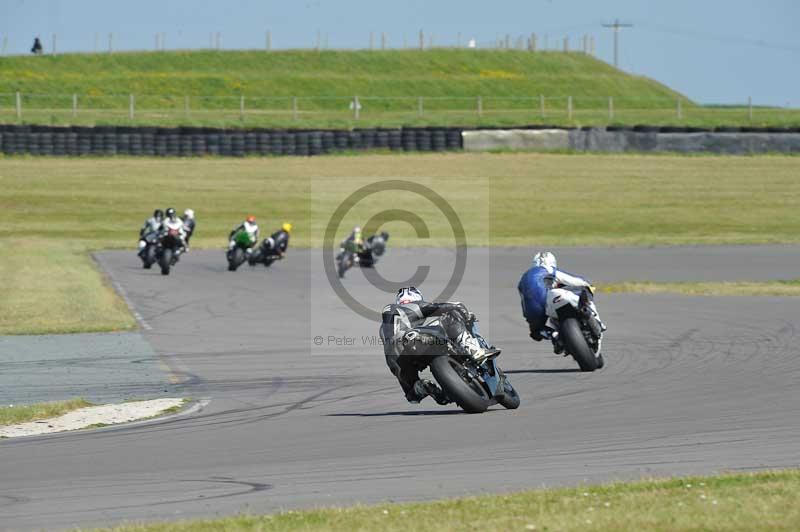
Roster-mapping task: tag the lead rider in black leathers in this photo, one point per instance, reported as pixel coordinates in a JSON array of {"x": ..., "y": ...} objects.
[{"x": 409, "y": 311}]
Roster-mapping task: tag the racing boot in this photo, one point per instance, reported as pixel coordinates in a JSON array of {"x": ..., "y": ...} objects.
[
  {"x": 558, "y": 345},
  {"x": 422, "y": 389},
  {"x": 470, "y": 347}
]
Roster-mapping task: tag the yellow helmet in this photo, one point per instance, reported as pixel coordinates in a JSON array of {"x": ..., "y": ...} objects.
[{"x": 287, "y": 227}]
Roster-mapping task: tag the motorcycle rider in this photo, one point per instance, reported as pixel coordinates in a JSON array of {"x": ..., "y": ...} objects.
[
  {"x": 279, "y": 240},
  {"x": 151, "y": 225},
  {"x": 188, "y": 224},
  {"x": 533, "y": 288},
  {"x": 173, "y": 222},
  {"x": 354, "y": 243},
  {"x": 250, "y": 227},
  {"x": 276, "y": 244},
  {"x": 409, "y": 311},
  {"x": 368, "y": 256}
]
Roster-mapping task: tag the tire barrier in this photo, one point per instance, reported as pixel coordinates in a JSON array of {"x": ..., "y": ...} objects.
[
  {"x": 193, "y": 141},
  {"x": 617, "y": 139}
]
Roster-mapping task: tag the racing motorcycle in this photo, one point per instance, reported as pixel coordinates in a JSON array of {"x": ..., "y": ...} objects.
[
  {"x": 571, "y": 313},
  {"x": 242, "y": 247},
  {"x": 472, "y": 386},
  {"x": 266, "y": 254},
  {"x": 148, "y": 252},
  {"x": 374, "y": 247},
  {"x": 169, "y": 249}
]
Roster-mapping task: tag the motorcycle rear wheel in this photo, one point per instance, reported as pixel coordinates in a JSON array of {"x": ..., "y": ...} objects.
[
  {"x": 450, "y": 375},
  {"x": 576, "y": 345}
]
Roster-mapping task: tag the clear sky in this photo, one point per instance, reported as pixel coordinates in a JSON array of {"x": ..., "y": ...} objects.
[{"x": 714, "y": 51}]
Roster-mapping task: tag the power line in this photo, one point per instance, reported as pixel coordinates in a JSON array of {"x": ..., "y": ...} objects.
[
  {"x": 721, "y": 38},
  {"x": 616, "y": 26}
]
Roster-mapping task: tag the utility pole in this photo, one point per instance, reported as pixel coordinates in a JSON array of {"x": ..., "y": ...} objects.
[{"x": 616, "y": 26}]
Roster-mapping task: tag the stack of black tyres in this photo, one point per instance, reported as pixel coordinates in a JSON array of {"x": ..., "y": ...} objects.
[
  {"x": 301, "y": 143},
  {"x": 150, "y": 141},
  {"x": 367, "y": 139},
  {"x": 237, "y": 145},
  {"x": 454, "y": 138},
  {"x": 354, "y": 141},
  {"x": 213, "y": 143},
  {"x": 276, "y": 143},
  {"x": 328, "y": 141},
  {"x": 424, "y": 140},
  {"x": 409, "y": 139},
  {"x": 199, "y": 147},
  {"x": 123, "y": 143},
  {"x": 135, "y": 138},
  {"x": 315, "y": 143},
  {"x": 381, "y": 139},
  {"x": 84, "y": 139},
  {"x": 250, "y": 143},
  {"x": 341, "y": 140},
  {"x": 395, "y": 139},
  {"x": 288, "y": 143},
  {"x": 438, "y": 140},
  {"x": 263, "y": 143}
]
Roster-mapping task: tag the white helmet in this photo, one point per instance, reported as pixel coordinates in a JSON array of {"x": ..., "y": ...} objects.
[
  {"x": 189, "y": 213},
  {"x": 407, "y": 295},
  {"x": 546, "y": 260}
]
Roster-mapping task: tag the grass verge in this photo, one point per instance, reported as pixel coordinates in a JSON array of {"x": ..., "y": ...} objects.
[
  {"x": 54, "y": 211},
  {"x": 53, "y": 286},
  {"x": 727, "y": 288},
  {"x": 757, "y": 501},
  {"x": 12, "y": 415}
]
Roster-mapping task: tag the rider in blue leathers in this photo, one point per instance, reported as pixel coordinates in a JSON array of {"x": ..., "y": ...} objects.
[{"x": 533, "y": 288}]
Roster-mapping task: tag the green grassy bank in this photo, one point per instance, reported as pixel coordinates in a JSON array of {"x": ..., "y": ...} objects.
[{"x": 759, "y": 501}]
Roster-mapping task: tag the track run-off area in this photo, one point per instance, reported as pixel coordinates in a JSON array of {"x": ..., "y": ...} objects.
[{"x": 692, "y": 385}]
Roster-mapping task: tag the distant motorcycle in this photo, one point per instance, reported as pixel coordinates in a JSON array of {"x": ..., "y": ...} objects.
[
  {"x": 570, "y": 312},
  {"x": 169, "y": 250},
  {"x": 266, "y": 254},
  {"x": 148, "y": 252},
  {"x": 374, "y": 247},
  {"x": 243, "y": 243},
  {"x": 474, "y": 387}
]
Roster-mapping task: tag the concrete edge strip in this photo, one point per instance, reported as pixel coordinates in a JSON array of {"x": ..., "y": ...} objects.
[{"x": 109, "y": 414}]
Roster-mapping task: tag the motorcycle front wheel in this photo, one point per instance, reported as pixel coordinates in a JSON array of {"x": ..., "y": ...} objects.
[
  {"x": 344, "y": 264},
  {"x": 460, "y": 385},
  {"x": 235, "y": 258},
  {"x": 510, "y": 398},
  {"x": 166, "y": 261}
]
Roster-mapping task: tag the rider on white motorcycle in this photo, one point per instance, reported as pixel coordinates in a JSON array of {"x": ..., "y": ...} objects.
[
  {"x": 409, "y": 311},
  {"x": 533, "y": 288},
  {"x": 172, "y": 222}
]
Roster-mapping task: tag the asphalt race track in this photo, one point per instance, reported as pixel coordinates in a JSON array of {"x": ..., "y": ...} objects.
[{"x": 691, "y": 385}]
